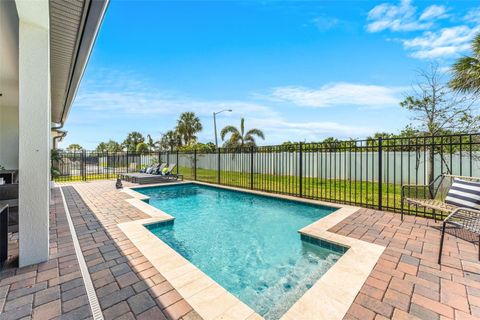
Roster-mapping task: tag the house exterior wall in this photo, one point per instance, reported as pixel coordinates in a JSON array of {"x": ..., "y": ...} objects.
[
  {"x": 34, "y": 135},
  {"x": 8, "y": 85}
]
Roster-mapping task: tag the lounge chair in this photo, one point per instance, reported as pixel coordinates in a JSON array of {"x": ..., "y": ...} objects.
[
  {"x": 132, "y": 176},
  {"x": 169, "y": 171},
  {"x": 166, "y": 176},
  {"x": 457, "y": 196}
]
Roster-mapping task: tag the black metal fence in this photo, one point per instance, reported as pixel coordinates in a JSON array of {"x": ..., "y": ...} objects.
[{"x": 367, "y": 173}]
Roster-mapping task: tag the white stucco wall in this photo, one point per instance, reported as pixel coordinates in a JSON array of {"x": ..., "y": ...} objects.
[
  {"x": 8, "y": 85},
  {"x": 34, "y": 137}
]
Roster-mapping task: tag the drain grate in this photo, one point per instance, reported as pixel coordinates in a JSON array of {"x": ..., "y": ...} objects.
[{"x": 91, "y": 294}]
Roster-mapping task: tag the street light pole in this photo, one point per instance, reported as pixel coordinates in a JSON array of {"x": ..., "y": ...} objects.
[
  {"x": 215, "y": 128},
  {"x": 215, "y": 124}
]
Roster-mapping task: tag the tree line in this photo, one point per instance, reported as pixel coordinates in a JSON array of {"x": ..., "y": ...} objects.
[{"x": 182, "y": 137}]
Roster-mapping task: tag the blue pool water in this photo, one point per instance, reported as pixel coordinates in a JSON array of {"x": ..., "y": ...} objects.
[{"x": 247, "y": 243}]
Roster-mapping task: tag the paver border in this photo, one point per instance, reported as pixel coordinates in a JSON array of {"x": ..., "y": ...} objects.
[{"x": 329, "y": 298}]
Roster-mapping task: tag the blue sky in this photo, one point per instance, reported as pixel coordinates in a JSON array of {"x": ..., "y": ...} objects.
[{"x": 299, "y": 70}]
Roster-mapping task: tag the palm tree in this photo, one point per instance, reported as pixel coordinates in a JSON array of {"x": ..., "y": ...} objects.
[
  {"x": 74, "y": 147},
  {"x": 188, "y": 125},
  {"x": 466, "y": 71},
  {"x": 113, "y": 146},
  {"x": 102, "y": 147},
  {"x": 239, "y": 138},
  {"x": 132, "y": 140},
  {"x": 152, "y": 146},
  {"x": 170, "y": 140}
]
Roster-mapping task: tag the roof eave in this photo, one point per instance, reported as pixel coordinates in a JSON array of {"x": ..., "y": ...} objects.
[{"x": 93, "y": 20}]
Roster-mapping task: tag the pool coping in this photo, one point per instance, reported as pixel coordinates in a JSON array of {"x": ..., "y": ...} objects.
[{"x": 329, "y": 298}]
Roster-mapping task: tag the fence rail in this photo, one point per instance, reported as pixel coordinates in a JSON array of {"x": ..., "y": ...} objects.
[{"x": 367, "y": 173}]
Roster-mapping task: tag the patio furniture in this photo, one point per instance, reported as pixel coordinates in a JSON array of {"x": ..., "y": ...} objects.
[
  {"x": 468, "y": 219},
  {"x": 9, "y": 196},
  {"x": 131, "y": 176},
  {"x": 432, "y": 196},
  {"x": 170, "y": 169},
  {"x": 3, "y": 234},
  {"x": 167, "y": 176},
  {"x": 9, "y": 176},
  {"x": 461, "y": 202}
]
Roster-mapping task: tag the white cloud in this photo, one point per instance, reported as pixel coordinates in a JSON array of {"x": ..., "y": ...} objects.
[
  {"x": 447, "y": 42},
  {"x": 473, "y": 15},
  {"x": 324, "y": 23},
  {"x": 433, "y": 43},
  {"x": 283, "y": 130},
  {"x": 142, "y": 103},
  {"x": 126, "y": 100},
  {"x": 370, "y": 96},
  {"x": 401, "y": 17},
  {"x": 115, "y": 93},
  {"x": 434, "y": 12}
]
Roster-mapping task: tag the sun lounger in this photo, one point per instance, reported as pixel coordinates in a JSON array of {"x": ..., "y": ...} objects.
[
  {"x": 166, "y": 176},
  {"x": 133, "y": 175}
]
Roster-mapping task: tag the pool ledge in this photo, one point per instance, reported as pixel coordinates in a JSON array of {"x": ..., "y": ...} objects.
[{"x": 329, "y": 298}]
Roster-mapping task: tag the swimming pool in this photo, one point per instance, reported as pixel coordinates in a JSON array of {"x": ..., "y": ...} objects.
[{"x": 247, "y": 243}]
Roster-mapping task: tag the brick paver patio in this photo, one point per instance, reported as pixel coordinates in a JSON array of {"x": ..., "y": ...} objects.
[
  {"x": 406, "y": 283},
  {"x": 127, "y": 285},
  {"x": 49, "y": 289}
]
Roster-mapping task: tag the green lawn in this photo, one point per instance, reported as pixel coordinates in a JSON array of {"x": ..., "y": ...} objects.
[{"x": 329, "y": 189}]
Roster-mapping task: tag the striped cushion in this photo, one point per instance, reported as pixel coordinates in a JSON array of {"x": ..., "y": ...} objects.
[{"x": 464, "y": 194}]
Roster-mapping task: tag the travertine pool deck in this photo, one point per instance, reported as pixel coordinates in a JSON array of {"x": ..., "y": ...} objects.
[{"x": 406, "y": 282}]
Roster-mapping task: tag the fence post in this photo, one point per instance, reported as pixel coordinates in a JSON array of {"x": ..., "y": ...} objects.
[
  {"x": 195, "y": 164},
  {"x": 127, "y": 162},
  {"x": 168, "y": 157},
  {"x": 432, "y": 157},
  {"x": 177, "y": 162},
  {"x": 84, "y": 156},
  {"x": 108, "y": 166},
  {"x": 380, "y": 170},
  {"x": 300, "y": 169},
  {"x": 80, "y": 157},
  {"x": 251, "y": 167},
  {"x": 218, "y": 166}
]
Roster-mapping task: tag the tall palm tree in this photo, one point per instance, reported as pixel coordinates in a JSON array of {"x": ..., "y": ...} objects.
[
  {"x": 239, "y": 137},
  {"x": 170, "y": 140},
  {"x": 152, "y": 145},
  {"x": 188, "y": 125},
  {"x": 466, "y": 71}
]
